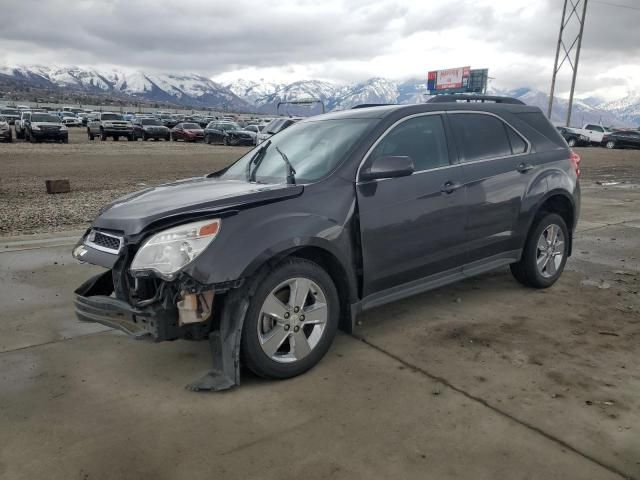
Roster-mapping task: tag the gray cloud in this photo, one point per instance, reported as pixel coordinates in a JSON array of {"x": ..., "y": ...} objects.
[{"x": 340, "y": 37}]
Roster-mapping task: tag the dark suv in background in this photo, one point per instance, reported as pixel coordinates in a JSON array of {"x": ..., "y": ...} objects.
[{"x": 335, "y": 215}]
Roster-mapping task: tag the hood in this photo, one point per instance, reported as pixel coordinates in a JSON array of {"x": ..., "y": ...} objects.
[{"x": 133, "y": 213}]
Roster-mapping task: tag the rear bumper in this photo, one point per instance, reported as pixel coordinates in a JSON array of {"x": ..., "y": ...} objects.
[{"x": 93, "y": 303}]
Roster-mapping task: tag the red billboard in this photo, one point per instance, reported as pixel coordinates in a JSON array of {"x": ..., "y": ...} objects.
[{"x": 448, "y": 79}]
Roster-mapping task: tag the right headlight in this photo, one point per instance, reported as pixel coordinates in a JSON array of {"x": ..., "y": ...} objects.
[{"x": 168, "y": 251}]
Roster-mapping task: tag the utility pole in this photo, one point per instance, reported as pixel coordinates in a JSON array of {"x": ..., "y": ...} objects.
[{"x": 576, "y": 41}]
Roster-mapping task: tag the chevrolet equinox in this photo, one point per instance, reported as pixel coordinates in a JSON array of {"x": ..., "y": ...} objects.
[{"x": 335, "y": 215}]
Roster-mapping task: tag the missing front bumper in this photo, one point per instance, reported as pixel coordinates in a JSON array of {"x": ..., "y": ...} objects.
[{"x": 94, "y": 303}]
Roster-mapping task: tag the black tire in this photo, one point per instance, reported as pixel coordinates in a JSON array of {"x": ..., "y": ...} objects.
[
  {"x": 103, "y": 136},
  {"x": 131, "y": 138},
  {"x": 225, "y": 141},
  {"x": 19, "y": 135},
  {"x": 90, "y": 135},
  {"x": 65, "y": 140},
  {"x": 252, "y": 353},
  {"x": 571, "y": 142},
  {"x": 167, "y": 138},
  {"x": 144, "y": 137},
  {"x": 526, "y": 270}
]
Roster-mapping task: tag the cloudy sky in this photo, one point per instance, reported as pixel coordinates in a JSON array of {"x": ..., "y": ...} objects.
[{"x": 336, "y": 40}]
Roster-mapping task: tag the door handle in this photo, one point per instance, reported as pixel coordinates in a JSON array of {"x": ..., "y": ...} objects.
[
  {"x": 450, "y": 187},
  {"x": 524, "y": 167}
]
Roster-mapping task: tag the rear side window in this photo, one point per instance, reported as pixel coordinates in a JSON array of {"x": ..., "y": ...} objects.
[
  {"x": 480, "y": 136},
  {"x": 421, "y": 138},
  {"x": 539, "y": 122}
]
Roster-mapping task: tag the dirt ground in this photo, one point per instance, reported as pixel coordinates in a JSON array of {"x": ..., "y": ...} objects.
[
  {"x": 102, "y": 171},
  {"x": 484, "y": 379}
]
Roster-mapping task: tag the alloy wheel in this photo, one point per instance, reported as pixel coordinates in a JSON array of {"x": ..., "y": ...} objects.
[
  {"x": 292, "y": 320},
  {"x": 550, "y": 251}
]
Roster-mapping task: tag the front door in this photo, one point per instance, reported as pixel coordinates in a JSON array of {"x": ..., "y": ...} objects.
[{"x": 412, "y": 227}]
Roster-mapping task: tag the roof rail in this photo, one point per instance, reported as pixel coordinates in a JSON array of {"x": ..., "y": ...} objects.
[
  {"x": 367, "y": 105},
  {"x": 474, "y": 98}
]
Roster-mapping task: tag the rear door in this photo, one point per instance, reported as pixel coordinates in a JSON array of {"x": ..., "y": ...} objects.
[
  {"x": 412, "y": 227},
  {"x": 596, "y": 133},
  {"x": 497, "y": 165}
]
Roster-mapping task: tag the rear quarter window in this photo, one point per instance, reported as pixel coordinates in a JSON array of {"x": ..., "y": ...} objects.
[{"x": 540, "y": 124}]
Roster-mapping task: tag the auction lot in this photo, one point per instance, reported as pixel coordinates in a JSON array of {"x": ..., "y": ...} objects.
[{"x": 484, "y": 379}]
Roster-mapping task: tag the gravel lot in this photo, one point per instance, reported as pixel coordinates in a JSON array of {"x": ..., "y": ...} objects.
[
  {"x": 99, "y": 172},
  {"x": 102, "y": 171}
]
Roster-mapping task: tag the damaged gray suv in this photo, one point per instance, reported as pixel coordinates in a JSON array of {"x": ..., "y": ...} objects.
[{"x": 335, "y": 215}]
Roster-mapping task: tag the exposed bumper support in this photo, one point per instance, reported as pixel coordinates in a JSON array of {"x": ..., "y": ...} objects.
[{"x": 94, "y": 303}]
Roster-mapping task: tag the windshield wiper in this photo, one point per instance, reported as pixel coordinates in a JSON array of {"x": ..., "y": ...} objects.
[
  {"x": 256, "y": 159},
  {"x": 291, "y": 173}
]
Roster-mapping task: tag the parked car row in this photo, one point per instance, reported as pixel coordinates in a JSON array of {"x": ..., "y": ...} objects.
[{"x": 601, "y": 136}]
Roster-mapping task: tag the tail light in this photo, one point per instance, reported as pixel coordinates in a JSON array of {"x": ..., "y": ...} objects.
[{"x": 575, "y": 161}]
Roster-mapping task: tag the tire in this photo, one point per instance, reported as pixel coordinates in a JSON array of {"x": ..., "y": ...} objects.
[
  {"x": 167, "y": 138},
  {"x": 284, "y": 362},
  {"x": 131, "y": 138},
  {"x": 610, "y": 144},
  {"x": 103, "y": 136},
  {"x": 65, "y": 140},
  {"x": 571, "y": 142},
  {"x": 90, "y": 135},
  {"x": 207, "y": 139},
  {"x": 527, "y": 270},
  {"x": 116, "y": 138},
  {"x": 19, "y": 135},
  {"x": 144, "y": 137},
  {"x": 225, "y": 141}
]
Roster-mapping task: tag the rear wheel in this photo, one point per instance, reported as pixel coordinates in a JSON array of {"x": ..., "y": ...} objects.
[
  {"x": 610, "y": 144},
  {"x": 545, "y": 253},
  {"x": 291, "y": 320},
  {"x": 103, "y": 136}
]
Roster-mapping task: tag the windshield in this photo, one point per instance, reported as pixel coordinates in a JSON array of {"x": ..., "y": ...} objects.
[
  {"x": 273, "y": 126},
  {"x": 229, "y": 126},
  {"x": 9, "y": 112},
  {"x": 150, "y": 122},
  {"x": 191, "y": 126},
  {"x": 314, "y": 149},
  {"x": 111, "y": 116},
  {"x": 44, "y": 117},
  {"x": 69, "y": 114}
]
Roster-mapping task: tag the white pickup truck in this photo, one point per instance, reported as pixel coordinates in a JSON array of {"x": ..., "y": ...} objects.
[{"x": 593, "y": 132}]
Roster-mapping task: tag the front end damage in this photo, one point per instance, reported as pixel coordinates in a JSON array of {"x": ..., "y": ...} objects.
[{"x": 159, "y": 310}]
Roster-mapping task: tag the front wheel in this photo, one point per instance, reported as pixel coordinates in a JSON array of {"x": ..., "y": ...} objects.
[
  {"x": 90, "y": 135},
  {"x": 571, "y": 142},
  {"x": 545, "y": 253},
  {"x": 291, "y": 320},
  {"x": 610, "y": 144}
]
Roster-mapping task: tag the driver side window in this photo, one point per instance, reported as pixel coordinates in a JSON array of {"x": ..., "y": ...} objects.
[{"x": 421, "y": 138}]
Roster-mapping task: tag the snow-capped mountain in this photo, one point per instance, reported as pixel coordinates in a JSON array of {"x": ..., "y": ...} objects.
[
  {"x": 627, "y": 108},
  {"x": 183, "y": 89},
  {"x": 270, "y": 97}
]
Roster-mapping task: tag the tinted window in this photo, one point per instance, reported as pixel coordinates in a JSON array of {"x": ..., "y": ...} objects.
[
  {"x": 539, "y": 122},
  {"x": 481, "y": 136},
  {"x": 44, "y": 117},
  {"x": 149, "y": 122},
  {"x": 421, "y": 138},
  {"x": 518, "y": 145},
  {"x": 191, "y": 126}
]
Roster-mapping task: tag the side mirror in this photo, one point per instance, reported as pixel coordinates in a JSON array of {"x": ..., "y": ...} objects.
[{"x": 388, "y": 166}]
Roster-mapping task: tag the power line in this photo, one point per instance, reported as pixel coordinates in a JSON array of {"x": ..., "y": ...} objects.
[{"x": 616, "y": 5}]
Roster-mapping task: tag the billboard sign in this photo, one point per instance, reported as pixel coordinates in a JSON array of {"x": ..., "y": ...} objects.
[{"x": 452, "y": 78}]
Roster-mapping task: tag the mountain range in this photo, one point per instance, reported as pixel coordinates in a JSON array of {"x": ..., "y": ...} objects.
[{"x": 197, "y": 91}]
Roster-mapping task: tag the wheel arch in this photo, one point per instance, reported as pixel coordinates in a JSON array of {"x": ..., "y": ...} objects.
[
  {"x": 342, "y": 276},
  {"x": 557, "y": 201}
]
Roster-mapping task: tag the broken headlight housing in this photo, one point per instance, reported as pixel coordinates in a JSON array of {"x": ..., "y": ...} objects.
[{"x": 168, "y": 251}]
